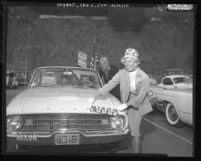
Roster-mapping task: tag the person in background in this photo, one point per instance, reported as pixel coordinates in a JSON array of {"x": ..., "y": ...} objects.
[
  {"x": 65, "y": 81},
  {"x": 106, "y": 72},
  {"x": 11, "y": 78},
  {"x": 134, "y": 87}
]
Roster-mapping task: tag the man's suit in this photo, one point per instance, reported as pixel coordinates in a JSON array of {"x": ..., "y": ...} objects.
[{"x": 113, "y": 70}]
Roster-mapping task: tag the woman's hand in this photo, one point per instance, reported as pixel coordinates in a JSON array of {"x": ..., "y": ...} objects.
[{"x": 92, "y": 99}]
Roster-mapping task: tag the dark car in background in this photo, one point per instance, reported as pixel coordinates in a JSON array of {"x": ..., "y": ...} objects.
[
  {"x": 11, "y": 80},
  {"x": 22, "y": 79}
]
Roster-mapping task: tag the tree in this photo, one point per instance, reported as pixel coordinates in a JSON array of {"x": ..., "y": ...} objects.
[{"x": 133, "y": 19}]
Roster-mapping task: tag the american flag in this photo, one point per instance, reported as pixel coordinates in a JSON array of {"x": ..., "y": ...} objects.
[
  {"x": 94, "y": 58},
  {"x": 93, "y": 63}
]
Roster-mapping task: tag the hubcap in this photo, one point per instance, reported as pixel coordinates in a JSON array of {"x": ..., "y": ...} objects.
[{"x": 172, "y": 113}]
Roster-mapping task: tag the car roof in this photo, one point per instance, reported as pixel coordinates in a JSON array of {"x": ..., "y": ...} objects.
[
  {"x": 64, "y": 67},
  {"x": 175, "y": 76}
]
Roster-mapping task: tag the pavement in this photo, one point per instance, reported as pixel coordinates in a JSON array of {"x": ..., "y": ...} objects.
[{"x": 156, "y": 140}]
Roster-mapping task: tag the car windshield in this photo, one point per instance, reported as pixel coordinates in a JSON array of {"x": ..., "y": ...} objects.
[
  {"x": 65, "y": 77},
  {"x": 183, "y": 80}
]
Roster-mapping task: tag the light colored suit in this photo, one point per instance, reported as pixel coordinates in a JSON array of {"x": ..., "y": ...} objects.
[{"x": 140, "y": 99}]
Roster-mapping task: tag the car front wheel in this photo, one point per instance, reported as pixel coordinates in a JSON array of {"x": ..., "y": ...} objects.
[{"x": 172, "y": 116}]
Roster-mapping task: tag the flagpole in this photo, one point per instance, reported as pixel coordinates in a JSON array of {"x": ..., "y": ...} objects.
[{"x": 94, "y": 54}]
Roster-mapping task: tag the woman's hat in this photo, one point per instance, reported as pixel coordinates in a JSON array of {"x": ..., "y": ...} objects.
[{"x": 131, "y": 53}]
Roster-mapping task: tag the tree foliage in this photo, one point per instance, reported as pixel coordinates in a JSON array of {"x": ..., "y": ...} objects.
[
  {"x": 162, "y": 44},
  {"x": 133, "y": 19}
]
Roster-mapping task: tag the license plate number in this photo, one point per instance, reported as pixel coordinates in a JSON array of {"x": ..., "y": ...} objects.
[{"x": 67, "y": 139}]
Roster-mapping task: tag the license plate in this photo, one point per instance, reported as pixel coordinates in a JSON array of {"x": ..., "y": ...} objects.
[{"x": 67, "y": 139}]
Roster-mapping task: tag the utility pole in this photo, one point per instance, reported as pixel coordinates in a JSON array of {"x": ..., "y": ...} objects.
[
  {"x": 29, "y": 36},
  {"x": 26, "y": 65},
  {"x": 94, "y": 52},
  {"x": 25, "y": 68}
]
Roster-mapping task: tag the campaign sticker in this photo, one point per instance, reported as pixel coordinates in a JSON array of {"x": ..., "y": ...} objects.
[
  {"x": 104, "y": 110},
  {"x": 28, "y": 138}
]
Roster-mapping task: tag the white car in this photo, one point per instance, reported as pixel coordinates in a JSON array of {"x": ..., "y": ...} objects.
[
  {"x": 177, "y": 104},
  {"x": 54, "y": 111},
  {"x": 176, "y": 82}
]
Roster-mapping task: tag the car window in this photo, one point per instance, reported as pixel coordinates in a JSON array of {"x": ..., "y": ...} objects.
[
  {"x": 182, "y": 80},
  {"x": 65, "y": 77},
  {"x": 167, "y": 81},
  {"x": 85, "y": 78}
]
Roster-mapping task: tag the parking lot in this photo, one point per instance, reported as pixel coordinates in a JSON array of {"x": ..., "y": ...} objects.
[{"x": 158, "y": 137}]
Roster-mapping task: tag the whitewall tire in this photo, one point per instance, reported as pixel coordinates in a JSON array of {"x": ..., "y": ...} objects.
[{"x": 172, "y": 116}]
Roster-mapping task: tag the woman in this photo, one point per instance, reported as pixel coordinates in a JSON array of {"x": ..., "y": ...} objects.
[{"x": 134, "y": 86}]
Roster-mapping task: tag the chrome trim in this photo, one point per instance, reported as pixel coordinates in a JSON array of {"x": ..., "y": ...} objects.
[
  {"x": 78, "y": 122},
  {"x": 49, "y": 134},
  {"x": 87, "y": 133}
]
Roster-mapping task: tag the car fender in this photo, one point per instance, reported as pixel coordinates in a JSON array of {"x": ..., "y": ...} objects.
[{"x": 182, "y": 101}]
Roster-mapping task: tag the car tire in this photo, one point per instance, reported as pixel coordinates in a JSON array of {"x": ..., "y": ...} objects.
[{"x": 172, "y": 116}]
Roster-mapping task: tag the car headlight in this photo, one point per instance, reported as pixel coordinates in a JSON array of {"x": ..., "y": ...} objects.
[
  {"x": 116, "y": 122},
  {"x": 14, "y": 123}
]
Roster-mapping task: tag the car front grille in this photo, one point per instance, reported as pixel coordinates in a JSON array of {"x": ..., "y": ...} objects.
[{"x": 53, "y": 122}]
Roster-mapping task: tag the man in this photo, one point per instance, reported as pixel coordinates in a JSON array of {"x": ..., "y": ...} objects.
[
  {"x": 64, "y": 81},
  {"x": 11, "y": 78},
  {"x": 106, "y": 72},
  {"x": 134, "y": 87}
]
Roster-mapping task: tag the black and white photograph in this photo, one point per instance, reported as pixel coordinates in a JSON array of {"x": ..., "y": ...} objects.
[{"x": 99, "y": 79}]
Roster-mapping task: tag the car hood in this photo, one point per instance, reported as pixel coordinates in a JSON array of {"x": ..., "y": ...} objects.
[{"x": 58, "y": 100}]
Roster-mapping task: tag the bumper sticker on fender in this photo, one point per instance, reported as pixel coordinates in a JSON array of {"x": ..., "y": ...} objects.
[
  {"x": 104, "y": 110},
  {"x": 27, "y": 138}
]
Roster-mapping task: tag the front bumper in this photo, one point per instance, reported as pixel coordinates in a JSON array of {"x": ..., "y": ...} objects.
[{"x": 34, "y": 138}]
